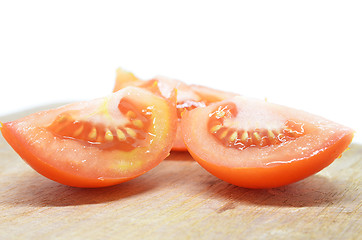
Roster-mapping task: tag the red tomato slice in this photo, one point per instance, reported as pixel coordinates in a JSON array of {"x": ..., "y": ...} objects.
[
  {"x": 255, "y": 144},
  {"x": 97, "y": 143},
  {"x": 188, "y": 96}
]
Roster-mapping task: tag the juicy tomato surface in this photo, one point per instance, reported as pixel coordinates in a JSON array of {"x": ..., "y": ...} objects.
[
  {"x": 255, "y": 144},
  {"x": 188, "y": 96},
  {"x": 97, "y": 143}
]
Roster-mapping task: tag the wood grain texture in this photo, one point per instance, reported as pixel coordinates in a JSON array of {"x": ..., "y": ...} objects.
[{"x": 180, "y": 200}]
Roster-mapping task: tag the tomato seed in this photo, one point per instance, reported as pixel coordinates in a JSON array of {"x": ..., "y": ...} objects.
[
  {"x": 93, "y": 133},
  {"x": 215, "y": 128},
  {"x": 131, "y": 132},
  {"x": 245, "y": 136},
  {"x": 257, "y": 136},
  {"x": 108, "y": 135},
  {"x": 224, "y": 133},
  {"x": 78, "y": 131},
  {"x": 220, "y": 114},
  {"x": 131, "y": 114},
  {"x": 120, "y": 135},
  {"x": 233, "y": 136},
  {"x": 137, "y": 123}
]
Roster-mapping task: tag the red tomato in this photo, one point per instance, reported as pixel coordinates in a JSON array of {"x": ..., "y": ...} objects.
[
  {"x": 97, "y": 143},
  {"x": 188, "y": 96},
  {"x": 255, "y": 144}
]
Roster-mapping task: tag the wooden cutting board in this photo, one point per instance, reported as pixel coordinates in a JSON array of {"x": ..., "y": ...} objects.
[{"x": 180, "y": 200}]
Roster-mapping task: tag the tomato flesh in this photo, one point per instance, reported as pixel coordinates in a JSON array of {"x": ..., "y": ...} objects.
[
  {"x": 97, "y": 143},
  {"x": 255, "y": 144},
  {"x": 188, "y": 96}
]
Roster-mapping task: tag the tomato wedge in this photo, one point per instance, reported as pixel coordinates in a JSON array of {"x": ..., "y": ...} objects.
[
  {"x": 255, "y": 144},
  {"x": 188, "y": 96},
  {"x": 97, "y": 143}
]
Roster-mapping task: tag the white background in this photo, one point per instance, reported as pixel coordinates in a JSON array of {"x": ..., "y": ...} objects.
[{"x": 304, "y": 54}]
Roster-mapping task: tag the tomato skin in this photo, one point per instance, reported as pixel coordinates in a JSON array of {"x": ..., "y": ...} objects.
[
  {"x": 287, "y": 171},
  {"x": 17, "y": 133}
]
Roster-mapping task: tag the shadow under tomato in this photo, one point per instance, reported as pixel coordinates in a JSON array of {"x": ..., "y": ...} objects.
[
  {"x": 314, "y": 191},
  {"x": 32, "y": 189},
  {"x": 180, "y": 156}
]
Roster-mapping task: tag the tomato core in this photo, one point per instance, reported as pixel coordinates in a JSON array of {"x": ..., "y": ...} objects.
[
  {"x": 233, "y": 137},
  {"x": 122, "y": 137}
]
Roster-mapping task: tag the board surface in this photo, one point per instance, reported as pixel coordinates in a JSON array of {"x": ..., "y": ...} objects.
[{"x": 180, "y": 200}]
